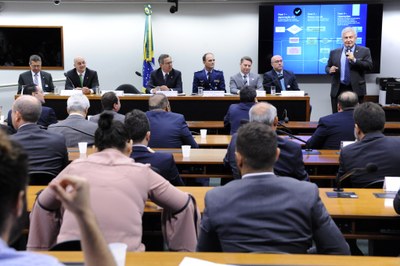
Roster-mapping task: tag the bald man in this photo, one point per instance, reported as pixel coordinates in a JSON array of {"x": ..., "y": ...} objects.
[
  {"x": 282, "y": 79},
  {"x": 81, "y": 77}
]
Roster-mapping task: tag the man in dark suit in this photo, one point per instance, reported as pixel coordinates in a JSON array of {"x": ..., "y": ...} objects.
[
  {"x": 371, "y": 147},
  {"x": 75, "y": 127},
  {"x": 240, "y": 111},
  {"x": 47, "y": 116},
  {"x": 245, "y": 77},
  {"x": 290, "y": 161},
  {"x": 337, "y": 127},
  {"x": 138, "y": 127},
  {"x": 165, "y": 78},
  {"x": 81, "y": 77},
  {"x": 111, "y": 104},
  {"x": 282, "y": 79},
  {"x": 36, "y": 76},
  {"x": 46, "y": 150},
  {"x": 168, "y": 129},
  {"x": 208, "y": 78},
  {"x": 263, "y": 212},
  {"x": 347, "y": 66}
]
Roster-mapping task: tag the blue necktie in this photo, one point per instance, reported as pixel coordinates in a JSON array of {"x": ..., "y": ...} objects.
[
  {"x": 280, "y": 75},
  {"x": 245, "y": 80},
  {"x": 346, "y": 80}
]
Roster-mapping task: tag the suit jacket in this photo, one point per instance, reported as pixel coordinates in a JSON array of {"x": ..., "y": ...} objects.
[
  {"x": 26, "y": 79},
  {"x": 90, "y": 79},
  {"x": 169, "y": 130},
  {"x": 236, "y": 113},
  {"x": 163, "y": 163},
  {"x": 47, "y": 117},
  {"x": 267, "y": 213},
  {"x": 174, "y": 81},
  {"x": 119, "y": 191},
  {"x": 236, "y": 82},
  {"x": 373, "y": 148},
  {"x": 290, "y": 161},
  {"x": 117, "y": 117},
  {"x": 46, "y": 150},
  {"x": 357, "y": 70},
  {"x": 333, "y": 129},
  {"x": 396, "y": 202},
  {"x": 271, "y": 79},
  {"x": 75, "y": 128},
  {"x": 217, "y": 80}
]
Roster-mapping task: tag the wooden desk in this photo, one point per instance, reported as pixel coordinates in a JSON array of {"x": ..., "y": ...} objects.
[
  {"x": 197, "y": 108},
  {"x": 174, "y": 259},
  {"x": 221, "y": 141}
]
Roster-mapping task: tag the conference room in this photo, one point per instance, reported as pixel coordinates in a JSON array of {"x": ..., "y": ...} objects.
[{"x": 110, "y": 36}]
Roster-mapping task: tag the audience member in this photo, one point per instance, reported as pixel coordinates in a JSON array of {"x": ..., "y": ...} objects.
[
  {"x": 47, "y": 116},
  {"x": 396, "y": 202},
  {"x": 337, "y": 127},
  {"x": 36, "y": 76},
  {"x": 138, "y": 127},
  {"x": 46, "y": 150},
  {"x": 290, "y": 162},
  {"x": 111, "y": 104},
  {"x": 347, "y": 66},
  {"x": 13, "y": 179},
  {"x": 75, "y": 127},
  {"x": 282, "y": 79},
  {"x": 81, "y": 77},
  {"x": 371, "y": 147},
  {"x": 208, "y": 78},
  {"x": 263, "y": 212},
  {"x": 238, "y": 112},
  {"x": 245, "y": 77},
  {"x": 168, "y": 129},
  {"x": 115, "y": 180},
  {"x": 165, "y": 78}
]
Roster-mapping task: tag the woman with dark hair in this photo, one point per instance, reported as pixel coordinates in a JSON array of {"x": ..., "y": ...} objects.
[{"x": 119, "y": 189}]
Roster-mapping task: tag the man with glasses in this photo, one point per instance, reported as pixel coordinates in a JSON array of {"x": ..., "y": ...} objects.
[
  {"x": 282, "y": 79},
  {"x": 36, "y": 76},
  {"x": 208, "y": 78},
  {"x": 166, "y": 78}
]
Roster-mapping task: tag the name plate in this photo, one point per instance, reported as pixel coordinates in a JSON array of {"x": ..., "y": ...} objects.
[
  {"x": 391, "y": 183},
  {"x": 168, "y": 93},
  {"x": 118, "y": 93},
  {"x": 213, "y": 93},
  {"x": 261, "y": 93},
  {"x": 70, "y": 92},
  {"x": 292, "y": 93}
]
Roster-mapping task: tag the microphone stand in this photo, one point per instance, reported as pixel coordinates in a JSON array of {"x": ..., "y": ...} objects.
[{"x": 307, "y": 151}]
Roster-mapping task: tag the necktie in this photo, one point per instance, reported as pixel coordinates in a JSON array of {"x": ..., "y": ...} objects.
[
  {"x": 346, "y": 79},
  {"x": 280, "y": 75},
  {"x": 209, "y": 77},
  {"x": 245, "y": 80},
  {"x": 81, "y": 79},
  {"x": 166, "y": 78},
  {"x": 35, "y": 79}
]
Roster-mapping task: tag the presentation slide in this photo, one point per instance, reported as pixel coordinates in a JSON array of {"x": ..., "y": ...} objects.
[{"x": 305, "y": 34}]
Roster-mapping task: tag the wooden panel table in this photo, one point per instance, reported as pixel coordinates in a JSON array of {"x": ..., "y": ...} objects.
[
  {"x": 175, "y": 258},
  {"x": 194, "y": 108}
]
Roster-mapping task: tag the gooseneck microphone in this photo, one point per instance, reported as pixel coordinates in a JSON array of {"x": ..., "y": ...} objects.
[
  {"x": 138, "y": 73},
  {"x": 306, "y": 150},
  {"x": 274, "y": 81},
  {"x": 65, "y": 74},
  {"x": 286, "y": 118},
  {"x": 369, "y": 168}
]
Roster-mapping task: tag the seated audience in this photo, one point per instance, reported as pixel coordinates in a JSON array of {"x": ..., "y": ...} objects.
[
  {"x": 138, "y": 127},
  {"x": 165, "y": 78},
  {"x": 168, "y": 129},
  {"x": 371, "y": 147},
  {"x": 119, "y": 191},
  {"x": 46, "y": 150},
  {"x": 281, "y": 78},
  {"x": 13, "y": 179},
  {"x": 290, "y": 162},
  {"x": 335, "y": 128},
  {"x": 111, "y": 104},
  {"x": 245, "y": 77},
  {"x": 208, "y": 78},
  {"x": 238, "y": 112},
  {"x": 263, "y": 212},
  {"x": 396, "y": 202},
  {"x": 75, "y": 127},
  {"x": 47, "y": 116}
]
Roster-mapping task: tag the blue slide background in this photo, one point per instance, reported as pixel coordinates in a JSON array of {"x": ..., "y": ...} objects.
[{"x": 305, "y": 41}]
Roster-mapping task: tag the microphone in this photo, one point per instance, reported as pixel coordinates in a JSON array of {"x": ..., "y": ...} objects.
[
  {"x": 138, "y": 73},
  {"x": 369, "y": 168},
  {"x": 274, "y": 81},
  {"x": 286, "y": 119},
  {"x": 348, "y": 50},
  {"x": 65, "y": 74},
  {"x": 284, "y": 126},
  {"x": 307, "y": 150}
]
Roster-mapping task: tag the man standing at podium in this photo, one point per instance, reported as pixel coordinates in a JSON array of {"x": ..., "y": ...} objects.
[
  {"x": 281, "y": 78},
  {"x": 209, "y": 78},
  {"x": 166, "y": 78},
  {"x": 347, "y": 66},
  {"x": 81, "y": 77}
]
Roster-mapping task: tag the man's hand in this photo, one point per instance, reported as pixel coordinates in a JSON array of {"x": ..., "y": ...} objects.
[{"x": 333, "y": 69}]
